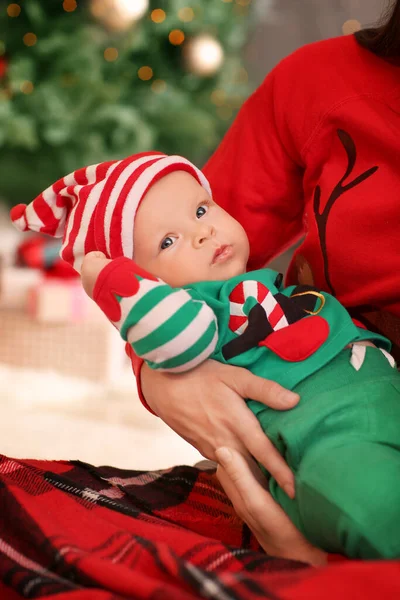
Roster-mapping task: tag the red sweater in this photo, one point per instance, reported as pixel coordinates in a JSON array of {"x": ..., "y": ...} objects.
[{"x": 315, "y": 151}]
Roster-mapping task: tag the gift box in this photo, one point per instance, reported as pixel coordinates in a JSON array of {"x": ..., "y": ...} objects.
[
  {"x": 15, "y": 285},
  {"x": 49, "y": 323},
  {"x": 60, "y": 301},
  {"x": 90, "y": 349}
]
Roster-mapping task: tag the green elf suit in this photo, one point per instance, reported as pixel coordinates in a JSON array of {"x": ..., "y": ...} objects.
[{"x": 342, "y": 441}]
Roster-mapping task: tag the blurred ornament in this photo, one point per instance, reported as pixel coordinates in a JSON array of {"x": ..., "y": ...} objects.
[
  {"x": 119, "y": 15},
  {"x": 40, "y": 252},
  {"x": 204, "y": 55},
  {"x": 3, "y": 66}
]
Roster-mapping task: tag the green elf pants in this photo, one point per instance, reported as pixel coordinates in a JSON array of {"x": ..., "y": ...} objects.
[{"x": 343, "y": 444}]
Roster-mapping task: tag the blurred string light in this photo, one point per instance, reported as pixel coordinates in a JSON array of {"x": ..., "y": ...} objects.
[
  {"x": 26, "y": 87},
  {"x": 110, "y": 54},
  {"x": 145, "y": 73},
  {"x": 70, "y": 5},
  {"x": 29, "y": 39},
  {"x": 218, "y": 97},
  {"x": 351, "y": 26},
  {"x": 13, "y": 10},
  {"x": 119, "y": 14},
  {"x": 176, "y": 37},
  {"x": 186, "y": 14},
  {"x": 159, "y": 86},
  {"x": 158, "y": 15},
  {"x": 204, "y": 55}
]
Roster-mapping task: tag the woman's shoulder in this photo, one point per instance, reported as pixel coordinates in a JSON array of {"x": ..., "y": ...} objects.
[
  {"x": 327, "y": 55},
  {"x": 336, "y": 67},
  {"x": 315, "y": 79}
]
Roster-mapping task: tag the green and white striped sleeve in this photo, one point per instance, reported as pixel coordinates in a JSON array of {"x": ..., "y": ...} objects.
[{"x": 166, "y": 327}]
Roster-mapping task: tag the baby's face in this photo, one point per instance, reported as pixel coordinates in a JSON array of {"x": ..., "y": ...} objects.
[{"x": 182, "y": 236}]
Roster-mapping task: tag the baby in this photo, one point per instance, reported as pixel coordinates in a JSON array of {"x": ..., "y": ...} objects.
[{"x": 174, "y": 282}]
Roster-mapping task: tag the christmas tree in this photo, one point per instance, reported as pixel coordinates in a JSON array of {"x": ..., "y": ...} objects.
[{"x": 87, "y": 81}]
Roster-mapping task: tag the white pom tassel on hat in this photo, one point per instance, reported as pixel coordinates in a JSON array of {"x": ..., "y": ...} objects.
[{"x": 94, "y": 208}]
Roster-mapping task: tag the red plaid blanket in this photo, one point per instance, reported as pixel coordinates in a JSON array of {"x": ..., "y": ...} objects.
[{"x": 77, "y": 532}]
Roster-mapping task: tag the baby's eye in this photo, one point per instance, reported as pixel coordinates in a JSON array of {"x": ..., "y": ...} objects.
[
  {"x": 166, "y": 243},
  {"x": 201, "y": 211}
]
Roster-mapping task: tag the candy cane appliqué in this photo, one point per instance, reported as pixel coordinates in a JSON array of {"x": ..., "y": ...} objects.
[{"x": 240, "y": 305}]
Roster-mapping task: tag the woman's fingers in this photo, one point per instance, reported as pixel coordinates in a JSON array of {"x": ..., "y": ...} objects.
[
  {"x": 242, "y": 482},
  {"x": 258, "y": 445},
  {"x": 241, "y": 475},
  {"x": 263, "y": 390}
]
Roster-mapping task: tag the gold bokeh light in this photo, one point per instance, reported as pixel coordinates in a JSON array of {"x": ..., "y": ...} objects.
[
  {"x": 30, "y": 39},
  {"x": 110, "y": 54},
  {"x": 158, "y": 15},
  {"x": 26, "y": 87},
  {"x": 186, "y": 14},
  {"x": 145, "y": 73},
  {"x": 13, "y": 10},
  {"x": 70, "y": 5},
  {"x": 176, "y": 37}
]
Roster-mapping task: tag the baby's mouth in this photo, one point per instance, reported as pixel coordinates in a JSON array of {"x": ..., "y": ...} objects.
[{"x": 222, "y": 254}]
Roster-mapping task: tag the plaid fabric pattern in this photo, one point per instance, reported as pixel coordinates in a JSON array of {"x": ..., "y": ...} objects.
[{"x": 76, "y": 532}]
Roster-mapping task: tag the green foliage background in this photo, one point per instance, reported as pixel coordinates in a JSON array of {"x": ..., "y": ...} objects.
[{"x": 84, "y": 110}]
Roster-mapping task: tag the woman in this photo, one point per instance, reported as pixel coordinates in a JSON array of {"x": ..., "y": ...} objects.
[{"x": 314, "y": 152}]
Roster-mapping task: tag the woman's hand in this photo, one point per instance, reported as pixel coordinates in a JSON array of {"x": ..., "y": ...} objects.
[
  {"x": 244, "y": 484},
  {"x": 205, "y": 406}
]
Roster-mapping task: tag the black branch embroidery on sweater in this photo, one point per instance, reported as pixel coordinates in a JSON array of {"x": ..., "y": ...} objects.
[{"x": 340, "y": 189}]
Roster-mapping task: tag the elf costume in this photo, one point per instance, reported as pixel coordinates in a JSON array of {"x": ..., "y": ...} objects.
[{"x": 350, "y": 398}]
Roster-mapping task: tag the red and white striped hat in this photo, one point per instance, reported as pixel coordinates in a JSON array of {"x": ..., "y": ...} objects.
[{"x": 94, "y": 208}]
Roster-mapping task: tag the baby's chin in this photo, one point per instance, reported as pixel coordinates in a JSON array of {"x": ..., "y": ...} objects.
[
  {"x": 230, "y": 271},
  {"x": 226, "y": 271},
  {"x": 221, "y": 272}
]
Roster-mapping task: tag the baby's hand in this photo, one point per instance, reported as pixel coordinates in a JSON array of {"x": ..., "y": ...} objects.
[{"x": 93, "y": 263}]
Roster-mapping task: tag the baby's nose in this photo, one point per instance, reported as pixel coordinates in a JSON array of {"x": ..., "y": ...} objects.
[{"x": 202, "y": 235}]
